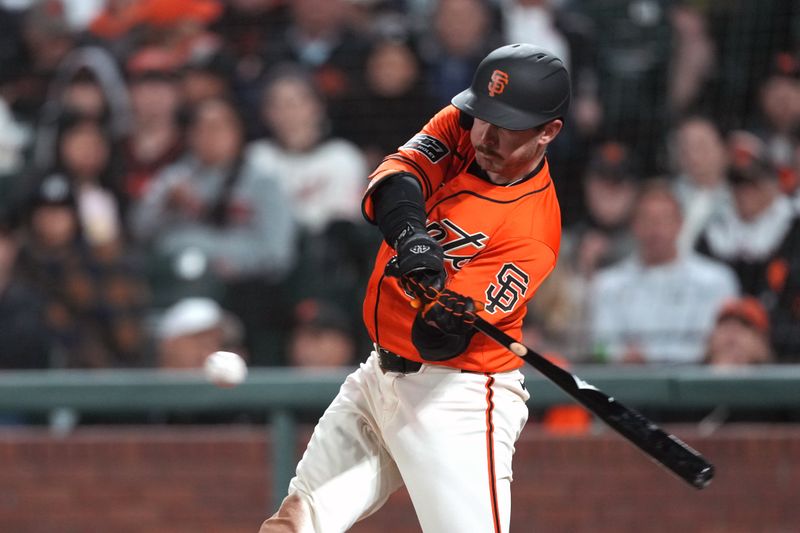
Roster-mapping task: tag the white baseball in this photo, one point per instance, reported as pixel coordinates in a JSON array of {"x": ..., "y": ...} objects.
[{"x": 226, "y": 369}]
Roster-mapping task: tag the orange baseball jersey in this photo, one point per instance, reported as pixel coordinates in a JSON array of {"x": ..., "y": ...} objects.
[{"x": 500, "y": 242}]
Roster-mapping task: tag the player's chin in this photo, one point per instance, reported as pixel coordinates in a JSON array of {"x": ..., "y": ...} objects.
[{"x": 489, "y": 162}]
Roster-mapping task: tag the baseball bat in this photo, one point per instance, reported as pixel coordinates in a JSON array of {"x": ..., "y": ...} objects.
[{"x": 665, "y": 449}]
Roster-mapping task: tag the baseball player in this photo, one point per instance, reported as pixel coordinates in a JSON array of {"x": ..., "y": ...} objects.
[{"x": 471, "y": 225}]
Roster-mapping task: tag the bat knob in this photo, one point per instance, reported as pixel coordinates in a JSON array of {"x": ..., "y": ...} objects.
[{"x": 704, "y": 477}]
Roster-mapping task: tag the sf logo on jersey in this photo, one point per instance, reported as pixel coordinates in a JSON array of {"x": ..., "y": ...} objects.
[
  {"x": 458, "y": 244},
  {"x": 512, "y": 283}
]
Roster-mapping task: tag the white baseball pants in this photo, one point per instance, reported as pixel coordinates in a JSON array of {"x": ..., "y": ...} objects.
[{"x": 447, "y": 435}]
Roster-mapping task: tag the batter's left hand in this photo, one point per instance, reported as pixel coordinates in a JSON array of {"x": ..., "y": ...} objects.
[{"x": 450, "y": 312}]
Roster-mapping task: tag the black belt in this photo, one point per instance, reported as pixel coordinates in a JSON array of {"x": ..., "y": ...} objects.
[{"x": 391, "y": 362}]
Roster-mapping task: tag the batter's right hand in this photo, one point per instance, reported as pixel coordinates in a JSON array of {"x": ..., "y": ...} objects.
[{"x": 420, "y": 263}]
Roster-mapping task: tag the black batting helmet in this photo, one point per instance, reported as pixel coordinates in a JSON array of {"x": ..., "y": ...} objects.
[{"x": 517, "y": 87}]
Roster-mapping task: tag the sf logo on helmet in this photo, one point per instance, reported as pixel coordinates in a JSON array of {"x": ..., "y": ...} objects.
[
  {"x": 512, "y": 282},
  {"x": 497, "y": 84}
]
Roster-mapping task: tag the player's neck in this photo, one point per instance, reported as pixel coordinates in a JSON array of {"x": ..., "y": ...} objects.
[{"x": 507, "y": 179}]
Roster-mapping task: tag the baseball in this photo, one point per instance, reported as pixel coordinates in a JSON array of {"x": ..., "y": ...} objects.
[{"x": 226, "y": 369}]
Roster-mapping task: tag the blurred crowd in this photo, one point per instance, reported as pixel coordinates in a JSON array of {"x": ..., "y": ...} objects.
[{"x": 183, "y": 176}]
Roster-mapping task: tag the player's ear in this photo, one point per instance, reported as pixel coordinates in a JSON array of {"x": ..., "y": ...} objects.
[{"x": 550, "y": 130}]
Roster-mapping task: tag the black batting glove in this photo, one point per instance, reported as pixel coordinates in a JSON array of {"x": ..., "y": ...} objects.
[
  {"x": 451, "y": 313},
  {"x": 443, "y": 327},
  {"x": 420, "y": 263}
]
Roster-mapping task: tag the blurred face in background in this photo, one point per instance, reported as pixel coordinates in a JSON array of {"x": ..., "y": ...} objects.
[
  {"x": 655, "y": 226},
  {"x": 216, "y": 134},
  {"x": 780, "y": 103},
  {"x": 461, "y": 25},
  {"x": 198, "y": 85},
  {"x": 321, "y": 347},
  {"x": 392, "y": 69},
  {"x": 317, "y": 18},
  {"x": 701, "y": 152},
  {"x": 753, "y": 197},
  {"x": 84, "y": 151},
  {"x": 86, "y": 98},
  {"x": 294, "y": 113},
  {"x": 54, "y": 226},
  {"x": 154, "y": 100},
  {"x": 609, "y": 201},
  {"x": 734, "y": 342}
]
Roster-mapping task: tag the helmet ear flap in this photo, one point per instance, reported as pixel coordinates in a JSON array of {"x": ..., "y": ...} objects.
[{"x": 465, "y": 121}]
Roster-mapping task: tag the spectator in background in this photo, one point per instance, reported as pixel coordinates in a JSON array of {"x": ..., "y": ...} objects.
[
  {"x": 47, "y": 39},
  {"x": 24, "y": 335},
  {"x": 633, "y": 47},
  {"x": 701, "y": 185},
  {"x": 748, "y": 236},
  {"x": 205, "y": 77},
  {"x": 393, "y": 101},
  {"x": 610, "y": 186},
  {"x": 211, "y": 200},
  {"x": 748, "y": 35},
  {"x": 192, "y": 329},
  {"x": 653, "y": 61},
  {"x": 781, "y": 294},
  {"x": 15, "y": 134},
  {"x": 600, "y": 237},
  {"x": 556, "y": 324},
  {"x": 95, "y": 297},
  {"x": 245, "y": 26},
  {"x": 13, "y": 142},
  {"x": 320, "y": 39},
  {"x": 178, "y": 25},
  {"x": 779, "y": 103},
  {"x": 87, "y": 159},
  {"x": 322, "y": 176},
  {"x": 659, "y": 305},
  {"x": 740, "y": 335},
  {"x": 215, "y": 217},
  {"x": 463, "y": 32},
  {"x": 88, "y": 84},
  {"x": 156, "y": 137},
  {"x": 322, "y": 336},
  {"x": 177, "y": 32},
  {"x": 534, "y": 22},
  {"x": 692, "y": 62}
]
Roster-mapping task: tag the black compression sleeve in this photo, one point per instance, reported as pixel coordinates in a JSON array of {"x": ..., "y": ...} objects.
[{"x": 398, "y": 202}]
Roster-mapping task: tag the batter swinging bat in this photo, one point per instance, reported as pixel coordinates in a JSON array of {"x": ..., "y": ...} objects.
[{"x": 665, "y": 449}]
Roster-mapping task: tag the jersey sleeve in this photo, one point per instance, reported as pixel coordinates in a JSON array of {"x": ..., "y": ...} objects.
[
  {"x": 505, "y": 278},
  {"x": 428, "y": 156}
]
